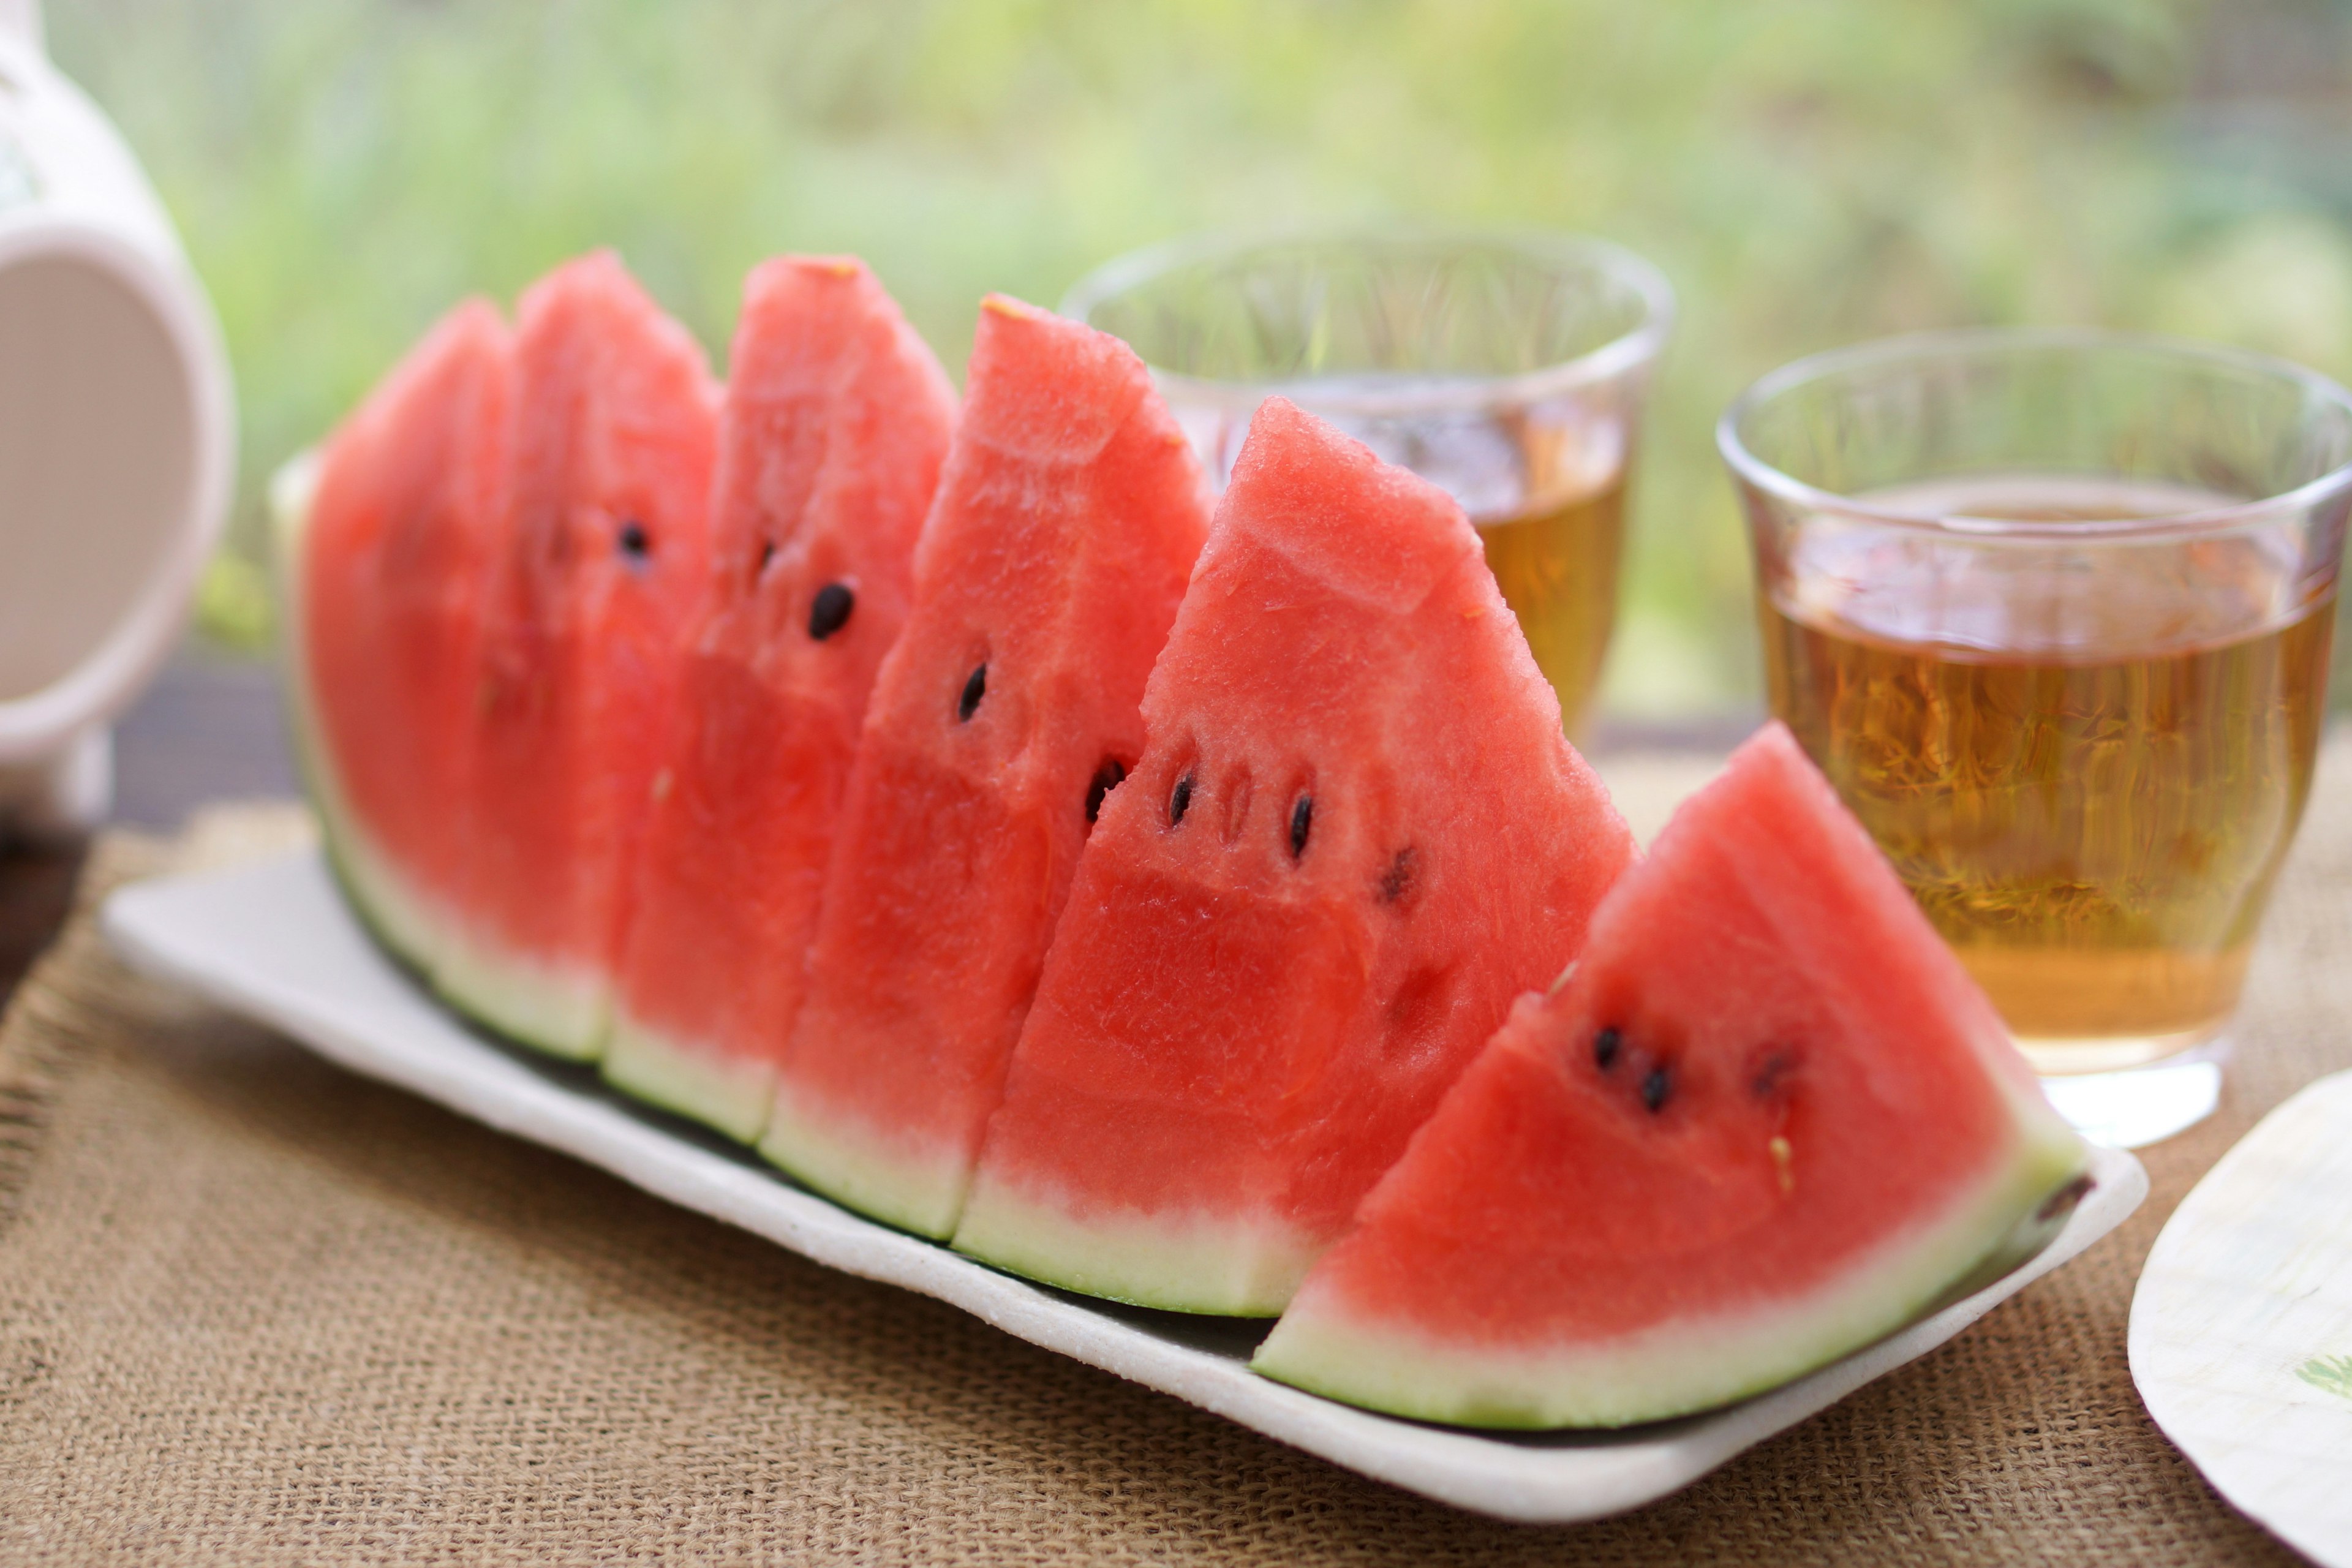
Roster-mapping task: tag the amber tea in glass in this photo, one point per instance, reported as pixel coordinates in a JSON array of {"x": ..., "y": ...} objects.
[
  {"x": 1556, "y": 565},
  {"x": 2095, "y": 827},
  {"x": 1509, "y": 369},
  {"x": 2053, "y": 613}
]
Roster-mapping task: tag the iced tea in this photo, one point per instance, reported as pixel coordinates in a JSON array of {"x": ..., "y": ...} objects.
[
  {"x": 1557, "y": 569},
  {"x": 2088, "y": 792}
]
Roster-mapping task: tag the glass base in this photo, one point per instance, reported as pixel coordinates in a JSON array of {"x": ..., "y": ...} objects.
[{"x": 2132, "y": 1107}]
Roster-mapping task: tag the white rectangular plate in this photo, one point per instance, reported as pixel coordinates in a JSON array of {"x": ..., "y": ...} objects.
[{"x": 274, "y": 940}]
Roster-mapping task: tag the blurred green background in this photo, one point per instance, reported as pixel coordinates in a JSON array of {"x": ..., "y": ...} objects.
[{"x": 1807, "y": 172}]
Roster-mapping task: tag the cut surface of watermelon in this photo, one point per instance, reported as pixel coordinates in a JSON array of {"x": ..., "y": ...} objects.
[
  {"x": 835, "y": 421},
  {"x": 1357, "y": 833},
  {"x": 1068, "y": 515},
  {"x": 1767, "y": 1121},
  {"x": 384, "y": 540},
  {"x": 602, "y": 566}
]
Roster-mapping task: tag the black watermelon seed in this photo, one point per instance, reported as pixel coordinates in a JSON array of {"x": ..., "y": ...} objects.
[
  {"x": 1604, "y": 1049},
  {"x": 1181, "y": 802},
  {"x": 1656, "y": 1087},
  {"x": 829, "y": 613},
  {"x": 767, "y": 553},
  {"x": 1107, "y": 779},
  {"x": 1775, "y": 1068},
  {"x": 973, "y": 691},
  {"x": 635, "y": 543},
  {"x": 1302, "y": 817},
  {"x": 1397, "y": 880}
]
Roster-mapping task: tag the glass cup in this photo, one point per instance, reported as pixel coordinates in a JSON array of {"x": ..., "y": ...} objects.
[
  {"x": 1508, "y": 368},
  {"x": 2052, "y": 610}
]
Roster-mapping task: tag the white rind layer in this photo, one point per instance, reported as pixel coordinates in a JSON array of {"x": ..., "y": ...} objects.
[
  {"x": 563, "y": 1009},
  {"x": 1215, "y": 1263},
  {"x": 560, "y": 1010},
  {"x": 1334, "y": 1347},
  {"x": 697, "y": 1081},
  {"x": 415, "y": 925},
  {"x": 837, "y": 1154}
]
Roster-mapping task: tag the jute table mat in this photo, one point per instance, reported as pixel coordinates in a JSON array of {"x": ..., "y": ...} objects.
[{"x": 254, "y": 1311}]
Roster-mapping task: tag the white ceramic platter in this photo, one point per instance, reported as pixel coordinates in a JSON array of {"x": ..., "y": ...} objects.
[
  {"x": 274, "y": 940},
  {"x": 2241, "y": 1327}
]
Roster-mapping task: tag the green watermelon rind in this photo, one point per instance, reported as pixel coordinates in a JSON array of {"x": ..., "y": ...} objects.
[
  {"x": 1220, "y": 1266},
  {"x": 701, "y": 1083},
  {"x": 1324, "y": 1347},
  {"x": 526, "y": 1002},
  {"x": 834, "y": 1154}
]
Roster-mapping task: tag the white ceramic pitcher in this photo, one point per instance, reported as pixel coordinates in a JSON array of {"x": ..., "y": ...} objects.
[{"x": 117, "y": 438}]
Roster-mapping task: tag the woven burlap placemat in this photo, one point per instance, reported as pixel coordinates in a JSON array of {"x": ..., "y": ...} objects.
[{"x": 254, "y": 1310}]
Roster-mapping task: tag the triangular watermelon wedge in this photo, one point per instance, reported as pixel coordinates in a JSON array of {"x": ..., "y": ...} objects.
[
  {"x": 1357, "y": 833},
  {"x": 1067, "y": 520},
  {"x": 836, "y": 422},
  {"x": 384, "y": 540},
  {"x": 1768, "y": 1119},
  {"x": 603, "y": 564}
]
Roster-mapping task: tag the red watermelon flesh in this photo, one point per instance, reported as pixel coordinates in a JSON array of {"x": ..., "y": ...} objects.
[
  {"x": 386, "y": 560},
  {"x": 836, "y": 422},
  {"x": 1357, "y": 833},
  {"x": 1067, "y": 520},
  {"x": 1768, "y": 1119},
  {"x": 602, "y": 566}
]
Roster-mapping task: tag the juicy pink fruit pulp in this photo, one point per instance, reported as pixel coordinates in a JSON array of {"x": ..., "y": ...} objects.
[
  {"x": 1764, "y": 1122},
  {"x": 1357, "y": 833},
  {"x": 836, "y": 422},
  {"x": 1067, "y": 518},
  {"x": 604, "y": 564},
  {"x": 401, "y": 528}
]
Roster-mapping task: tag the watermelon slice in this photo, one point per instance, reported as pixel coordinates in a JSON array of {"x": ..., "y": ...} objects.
[
  {"x": 385, "y": 540},
  {"x": 1768, "y": 1119},
  {"x": 603, "y": 565},
  {"x": 1357, "y": 833},
  {"x": 836, "y": 422},
  {"x": 1067, "y": 518}
]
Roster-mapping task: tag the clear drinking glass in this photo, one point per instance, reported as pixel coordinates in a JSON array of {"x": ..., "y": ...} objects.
[
  {"x": 2052, "y": 610},
  {"x": 1508, "y": 368}
]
